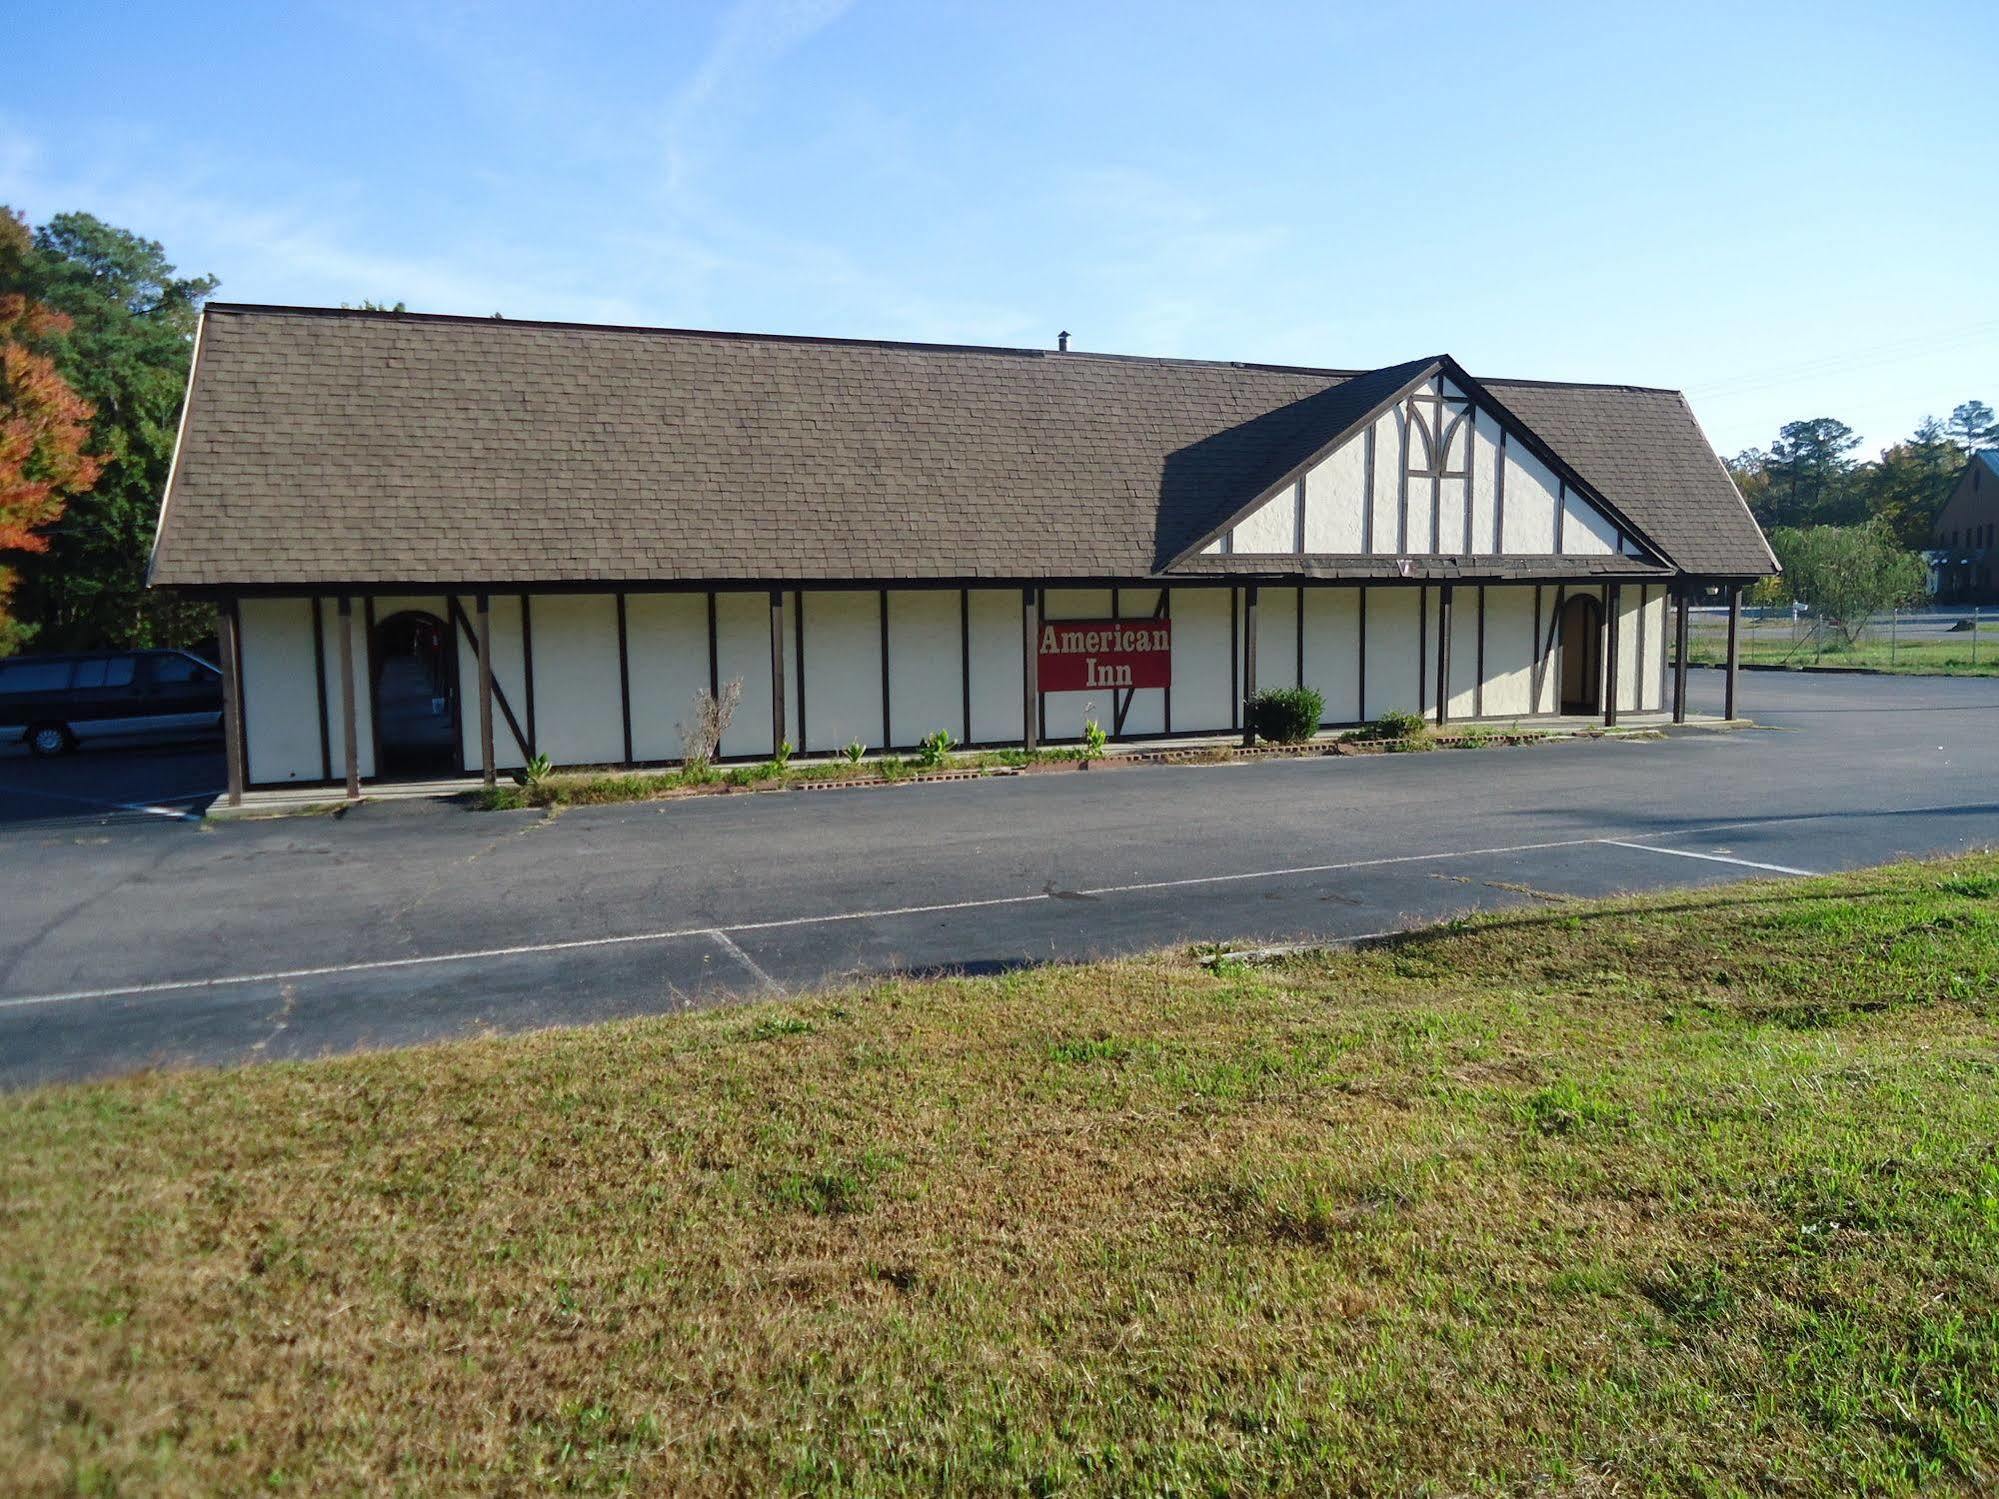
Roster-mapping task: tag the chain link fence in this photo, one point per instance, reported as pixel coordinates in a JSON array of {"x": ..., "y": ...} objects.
[{"x": 1944, "y": 641}]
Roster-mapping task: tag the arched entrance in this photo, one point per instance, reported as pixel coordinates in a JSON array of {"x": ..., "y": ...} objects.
[
  {"x": 415, "y": 697},
  {"x": 1582, "y": 655}
]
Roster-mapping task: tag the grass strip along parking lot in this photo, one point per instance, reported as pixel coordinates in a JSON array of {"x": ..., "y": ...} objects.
[{"x": 1698, "y": 1192}]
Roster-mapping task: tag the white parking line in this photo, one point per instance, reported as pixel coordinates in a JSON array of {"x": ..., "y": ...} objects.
[
  {"x": 1687, "y": 853},
  {"x": 94, "y": 801},
  {"x": 728, "y": 945},
  {"x": 582, "y": 944}
]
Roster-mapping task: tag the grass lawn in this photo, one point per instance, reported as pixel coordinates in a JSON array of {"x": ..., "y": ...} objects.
[
  {"x": 1926, "y": 655},
  {"x": 1697, "y": 1193}
]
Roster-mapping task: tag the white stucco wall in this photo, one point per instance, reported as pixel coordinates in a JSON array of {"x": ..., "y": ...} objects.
[
  {"x": 926, "y": 680},
  {"x": 666, "y": 642},
  {"x": 1485, "y": 458},
  {"x": 577, "y": 718},
  {"x": 1587, "y": 532},
  {"x": 997, "y": 634},
  {"x": 1509, "y": 651},
  {"x": 1333, "y": 500},
  {"x": 1201, "y": 694},
  {"x": 1332, "y": 650},
  {"x": 508, "y": 679},
  {"x": 742, "y": 653},
  {"x": 1272, "y": 527},
  {"x": 1277, "y": 638},
  {"x": 843, "y": 688},
  {"x": 281, "y": 691},
  {"x": 1391, "y": 651}
]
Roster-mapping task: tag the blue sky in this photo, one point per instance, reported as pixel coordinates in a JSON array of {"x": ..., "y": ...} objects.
[{"x": 1786, "y": 210}]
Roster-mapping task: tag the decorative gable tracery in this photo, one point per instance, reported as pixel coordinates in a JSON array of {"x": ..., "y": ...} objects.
[{"x": 1435, "y": 474}]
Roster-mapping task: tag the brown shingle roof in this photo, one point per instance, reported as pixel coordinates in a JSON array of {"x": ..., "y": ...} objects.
[{"x": 346, "y": 447}]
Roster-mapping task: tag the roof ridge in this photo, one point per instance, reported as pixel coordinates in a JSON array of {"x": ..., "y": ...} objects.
[{"x": 381, "y": 314}]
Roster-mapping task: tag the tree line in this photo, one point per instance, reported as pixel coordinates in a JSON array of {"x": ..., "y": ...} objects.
[
  {"x": 1808, "y": 476},
  {"x": 96, "y": 330}
]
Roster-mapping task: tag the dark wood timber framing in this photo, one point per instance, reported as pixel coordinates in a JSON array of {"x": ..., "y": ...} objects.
[
  {"x": 965, "y": 661},
  {"x": 319, "y": 687},
  {"x": 229, "y": 638},
  {"x": 1613, "y": 604},
  {"x": 1030, "y": 661},
  {"x": 482, "y": 605},
  {"x": 1734, "y": 651},
  {"x": 1423, "y": 650},
  {"x": 463, "y": 626},
  {"x": 1478, "y": 681},
  {"x": 1367, "y": 491},
  {"x": 1235, "y": 659},
  {"x": 527, "y": 673},
  {"x": 1360, "y": 673},
  {"x": 1299, "y": 594},
  {"x": 1040, "y": 702},
  {"x": 776, "y": 670},
  {"x": 798, "y": 639},
  {"x": 368, "y": 645},
  {"x": 1499, "y": 497},
  {"x": 888, "y": 733},
  {"x": 1249, "y": 606},
  {"x": 714, "y": 660},
  {"x": 350, "y": 744},
  {"x": 624, "y": 680},
  {"x": 1680, "y": 613},
  {"x": 1444, "y": 653},
  {"x": 1561, "y": 513},
  {"x": 1535, "y": 674},
  {"x": 1638, "y": 676}
]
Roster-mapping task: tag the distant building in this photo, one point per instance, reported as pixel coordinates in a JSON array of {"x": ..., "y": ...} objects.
[{"x": 1966, "y": 535}]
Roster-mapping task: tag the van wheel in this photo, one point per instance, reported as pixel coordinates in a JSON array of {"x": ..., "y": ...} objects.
[{"x": 51, "y": 739}]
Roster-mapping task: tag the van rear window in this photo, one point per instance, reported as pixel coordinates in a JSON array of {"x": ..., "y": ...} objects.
[{"x": 19, "y": 678}]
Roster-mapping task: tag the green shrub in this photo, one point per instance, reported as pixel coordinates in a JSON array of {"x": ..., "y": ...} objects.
[
  {"x": 535, "y": 773},
  {"x": 1094, "y": 740},
  {"x": 1398, "y": 730},
  {"x": 852, "y": 751},
  {"x": 1286, "y": 715},
  {"x": 935, "y": 749}
]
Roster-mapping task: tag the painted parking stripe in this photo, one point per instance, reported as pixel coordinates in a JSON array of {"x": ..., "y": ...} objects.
[
  {"x": 1687, "y": 853},
  {"x": 93, "y": 801},
  {"x": 714, "y": 930}
]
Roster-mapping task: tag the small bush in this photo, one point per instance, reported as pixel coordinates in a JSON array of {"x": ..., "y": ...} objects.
[
  {"x": 782, "y": 757},
  {"x": 852, "y": 751},
  {"x": 1397, "y": 730},
  {"x": 1094, "y": 740},
  {"x": 535, "y": 773},
  {"x": 935, "y": 749},
  {"x": 1286, "y": 715},
  {"x": 701, "y": 740}
]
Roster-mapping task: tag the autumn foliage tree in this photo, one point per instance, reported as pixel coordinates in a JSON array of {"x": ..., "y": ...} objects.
[{"x": 44, "y": 429}]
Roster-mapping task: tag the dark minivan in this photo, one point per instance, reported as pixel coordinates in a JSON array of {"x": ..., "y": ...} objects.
[{"x": 59, "y": 702}]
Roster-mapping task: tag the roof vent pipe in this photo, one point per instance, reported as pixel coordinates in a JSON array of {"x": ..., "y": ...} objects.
[{"x": 1062, "y": 342}]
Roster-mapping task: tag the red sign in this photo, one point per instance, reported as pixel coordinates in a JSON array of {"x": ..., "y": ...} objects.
[{"x": 1105, "y": 655}]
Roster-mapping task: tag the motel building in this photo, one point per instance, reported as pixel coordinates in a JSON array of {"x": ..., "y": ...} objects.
[{"x": 441, "y": 546}]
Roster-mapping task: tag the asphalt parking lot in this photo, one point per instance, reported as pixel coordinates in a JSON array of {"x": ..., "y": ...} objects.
[{"x": 134, "y": 935}]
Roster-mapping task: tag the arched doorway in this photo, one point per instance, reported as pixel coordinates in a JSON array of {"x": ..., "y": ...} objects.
[
  {"x": 416, "y": 697},
  {"x": 1582, "y": 658}
]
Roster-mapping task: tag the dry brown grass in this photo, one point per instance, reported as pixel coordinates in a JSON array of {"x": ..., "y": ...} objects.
[{"x": 1698, "y": 1193}]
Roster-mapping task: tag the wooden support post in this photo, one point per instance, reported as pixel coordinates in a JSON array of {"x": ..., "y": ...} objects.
[
  {"x": 1030, "y": 673},
  {"x": 1680, "y": 655},
  {"x": 483, "y": 604},
  {"x": 1734, "y": 651},
  {"x": 350, "y": 741},
  {"x": 227, "y": 635},
  {"x": 1613, "y": 605},
  {"x": 776, "y": 670},
  {"x": 1249, "y": 604},
  {"x": 1443, "y": 652}
]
